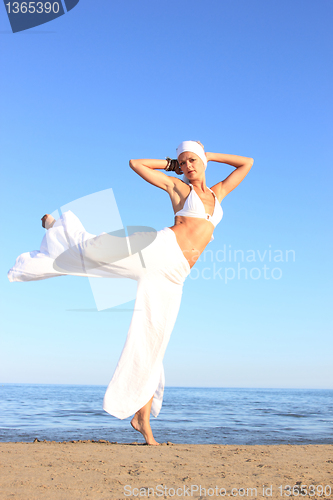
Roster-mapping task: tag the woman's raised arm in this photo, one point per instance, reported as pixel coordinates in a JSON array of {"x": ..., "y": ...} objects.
[
  {"x": 242, "y": 164},
  {"x": 147, "y": 169}
]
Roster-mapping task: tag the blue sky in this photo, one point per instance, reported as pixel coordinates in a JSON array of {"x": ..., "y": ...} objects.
[{"x": 110, "y": 81}]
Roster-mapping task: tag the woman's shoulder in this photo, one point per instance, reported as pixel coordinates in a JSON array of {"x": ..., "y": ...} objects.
[
  {"x": 181, "y": 187},
  {"x": 179, "y": 193},
  {"x": 181, "y": 184}
]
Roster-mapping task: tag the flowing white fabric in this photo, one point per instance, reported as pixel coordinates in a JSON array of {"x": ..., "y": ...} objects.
[{"x": 156, "y": 262}]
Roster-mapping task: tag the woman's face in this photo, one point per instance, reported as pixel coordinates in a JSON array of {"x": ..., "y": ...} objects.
[{"x": 191, "y": 164}]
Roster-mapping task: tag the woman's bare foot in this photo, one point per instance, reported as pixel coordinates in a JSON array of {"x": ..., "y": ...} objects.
[
  {"x": 143, "y": 426},
  {"x": 47, "y": 221}
]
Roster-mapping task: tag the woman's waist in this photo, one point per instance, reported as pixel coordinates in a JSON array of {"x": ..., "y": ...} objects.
[
  {"x": 192, "y": 233},
  {"x": 191, "y": 240}
]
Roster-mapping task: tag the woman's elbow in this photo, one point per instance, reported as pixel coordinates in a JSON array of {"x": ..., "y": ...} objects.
[{"x": 132, "y": 163}]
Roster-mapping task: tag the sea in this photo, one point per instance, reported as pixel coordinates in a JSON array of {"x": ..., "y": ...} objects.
[{"x": 236, "y": 416}]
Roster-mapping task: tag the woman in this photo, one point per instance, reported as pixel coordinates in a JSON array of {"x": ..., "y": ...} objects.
[{"x": 160, "y": 268}]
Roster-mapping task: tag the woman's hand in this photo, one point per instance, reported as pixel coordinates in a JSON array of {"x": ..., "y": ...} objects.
[
  {"x": 47, "y": 221},
  {"x": 178, "y": 170}
]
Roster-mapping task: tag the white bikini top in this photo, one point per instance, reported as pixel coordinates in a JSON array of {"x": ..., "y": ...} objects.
[{"x": 194, "y": 207}]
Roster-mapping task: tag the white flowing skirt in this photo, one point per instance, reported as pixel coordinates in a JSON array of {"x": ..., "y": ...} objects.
[{"x": 156, "y": 261}]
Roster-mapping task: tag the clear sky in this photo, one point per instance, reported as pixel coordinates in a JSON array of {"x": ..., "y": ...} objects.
[{"x": 110, "y": 81}]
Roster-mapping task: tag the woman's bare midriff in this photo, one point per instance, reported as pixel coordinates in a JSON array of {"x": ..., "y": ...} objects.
[{"x": 193, "y": 235}]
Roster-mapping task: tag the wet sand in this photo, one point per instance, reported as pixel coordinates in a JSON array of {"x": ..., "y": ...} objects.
[{"x": 103, "y": 470}]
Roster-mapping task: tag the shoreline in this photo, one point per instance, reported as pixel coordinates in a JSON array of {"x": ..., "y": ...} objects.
[
  {"x": 139, "y": 443},
  {"x": 107, "y": 470}
]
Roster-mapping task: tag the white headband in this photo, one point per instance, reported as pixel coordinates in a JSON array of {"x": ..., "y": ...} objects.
[{"x": 193, "y": 147}]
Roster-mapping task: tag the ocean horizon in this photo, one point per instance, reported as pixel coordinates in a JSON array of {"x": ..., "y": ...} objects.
[{"x": 192, "y": 415}]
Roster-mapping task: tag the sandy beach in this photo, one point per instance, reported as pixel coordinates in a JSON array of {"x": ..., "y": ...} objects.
[{"x": 103, "y": 470}]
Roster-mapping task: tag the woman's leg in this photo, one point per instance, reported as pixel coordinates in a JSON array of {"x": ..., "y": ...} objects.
[
  {"x": 158, "y": 264},
  {"x": 140, "y": 422}
]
